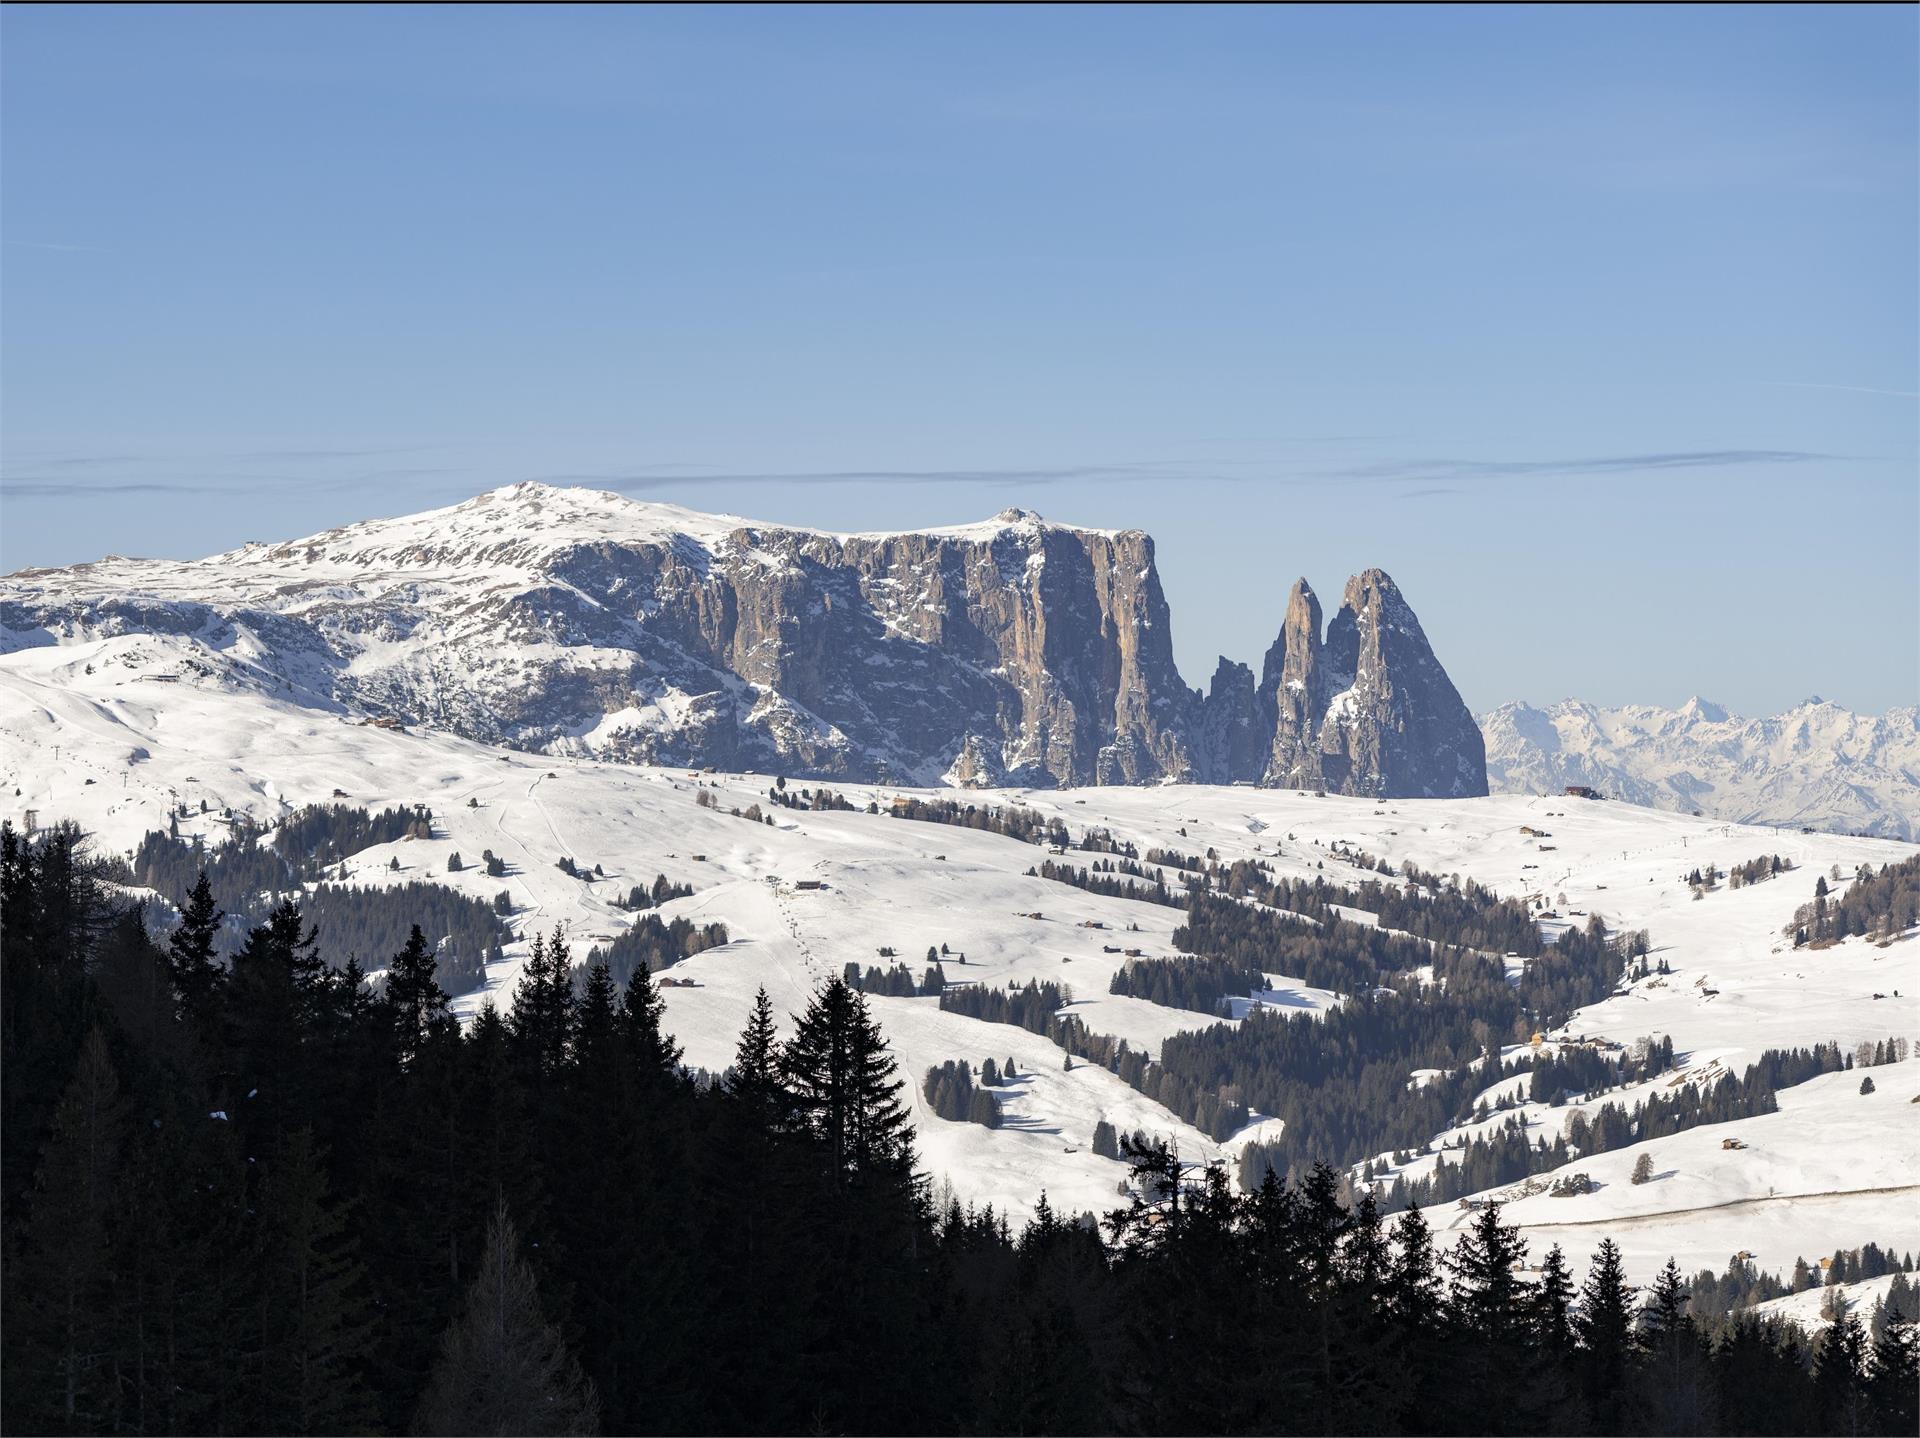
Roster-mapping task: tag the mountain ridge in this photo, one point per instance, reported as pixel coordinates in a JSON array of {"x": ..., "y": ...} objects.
[
  {"x": 1013, "y": 650},
  {"x": 1816, "y": 765}
]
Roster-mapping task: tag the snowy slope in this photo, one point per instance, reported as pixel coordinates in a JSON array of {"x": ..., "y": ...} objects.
[
  {"x": 135, "y": 716},
  {"x": 1817, "y": 765},
  {"x": 1806, "y": 1309}
]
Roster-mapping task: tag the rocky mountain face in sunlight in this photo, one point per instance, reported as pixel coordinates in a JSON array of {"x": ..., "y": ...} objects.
[{"x": 1013, "y": 651}]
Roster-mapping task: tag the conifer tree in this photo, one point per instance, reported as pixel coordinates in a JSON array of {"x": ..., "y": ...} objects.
[
  {"x": 502, "y": 1367},
  {"x": 1413, "y": 1281},
  {"x": 414, "y": 995},
  {"x": 1839, "y": 1368},
  {"x": 596, "y": 1036},
  {"x": 542, "y": 1017},
  {"x": 60, "y": 1289},
  {"x": 315, "y": 1327},
  {"x": 1893, "y": 1377},
  {"x": 190, "y": 958},
  {"x": 1605, "y": 1327},
  {"x": 1676, "y": 1386},
  {"x": 654, "y": 1056},
  {"x": 845, "y": 1087},
  {"x": 1551, "y": 1303},
  {"x": 1486, "y": 1284},
  {"x": 754, "y": 1078}
]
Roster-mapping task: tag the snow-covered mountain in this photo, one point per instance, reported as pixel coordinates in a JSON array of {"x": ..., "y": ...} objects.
[
  {"x": 1816, "y": 766},
  {"x": 569, "y": 621}
]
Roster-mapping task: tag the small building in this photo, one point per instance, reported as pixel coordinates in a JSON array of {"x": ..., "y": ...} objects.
[
  {"x": 1731, "y": 1143},
  {"x": 33, "y": 820},
  {"x": 802, "y": 883},
  {"x": 1582, "y": 791}
]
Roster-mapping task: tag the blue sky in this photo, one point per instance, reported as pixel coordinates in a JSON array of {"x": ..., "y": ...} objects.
[{"x": 1594, "y": 327}]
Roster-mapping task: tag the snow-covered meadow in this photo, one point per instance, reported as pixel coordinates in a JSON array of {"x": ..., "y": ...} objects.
[{"x": 115, "y": 733}]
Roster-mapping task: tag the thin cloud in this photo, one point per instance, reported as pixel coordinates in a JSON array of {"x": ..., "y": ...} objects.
[
  {"x": 1849, "y": 388},
  {"x": 63, "y": 489},
  {"x": 239, "y": 486},
  {"x": 56, "y": 248},
  {"x": 1472, "y": 469},
  {"x": 1155, "y": 470}
]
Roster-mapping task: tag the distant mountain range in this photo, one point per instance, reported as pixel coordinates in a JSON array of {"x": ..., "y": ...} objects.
[
  {"x": 1816, "y": 766},
  {"x": 1013, "y": 651}
]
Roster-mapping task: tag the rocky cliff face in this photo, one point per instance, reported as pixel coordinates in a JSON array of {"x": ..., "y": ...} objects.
[
  {"x": 1012, "y": 651},
  {"x": 1366, "y": 710}
]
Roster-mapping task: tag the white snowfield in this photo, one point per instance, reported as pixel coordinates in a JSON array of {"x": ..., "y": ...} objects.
[{"x": 115, "y": 733}]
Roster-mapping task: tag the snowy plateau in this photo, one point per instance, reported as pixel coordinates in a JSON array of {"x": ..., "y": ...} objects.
[{"x": 118, "y": 726}]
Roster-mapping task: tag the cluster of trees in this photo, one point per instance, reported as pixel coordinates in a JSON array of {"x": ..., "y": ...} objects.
[
  {"x": 1202, "y": 985},
  {"x": 1149, "y": 888},
  {"x": 367, "y": 924},
  {"x": 1029, "y": 826},
  {"x": 1556, "y": 1077},
  {"x": 254, "y": 872},
  {"x": 640, "y": 897},
  {"x": 1318, "y": 1316},
  {"x": 652, "y": 944},
  {"x": 1033, "y": 1008},
  {"x": 1849, "y": 1265},
  {"x": 1339, "y": 1079},
  {"x": 1507, "y": 1154},
  {"x": 1107, "y": 1141},
  {"x": 1334, "y": 953},
  {"x": 250, "y": 878},
  {"x": 1871, "y": 1053},
  {"x": 1755, "y": 871},
  {"x": 1879, "y": 905},
  {"x": 950, "y": 1089},
  {"x": 327, "y": 833},
  {"x": 896, "y": 981},
  {"x": 261, "y": 1198},
  {"x": 815, "y": 800}
]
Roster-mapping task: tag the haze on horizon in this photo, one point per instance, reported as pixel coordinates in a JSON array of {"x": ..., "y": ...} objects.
[{"x": 1595, "y": 328}]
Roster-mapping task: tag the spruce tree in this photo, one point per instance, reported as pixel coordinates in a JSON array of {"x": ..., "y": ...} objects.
[
  {"x": 60, "y": 1288},
  {"x": 542, "y": 1017},
  {"x": 190, "y": 950},
  {"x": 755, "y": 1074},
  {"x": 1676, "y": 1386},
  {"x": 1893, "y": 1376},
  {"x": 503, "y": 1369},
  {"x": 414, "y": 996},
  {"x": 844, "y": 1086},
  {"x": 1551, "y": 1303},
  {"x": 315, "y": 1325},
  {"x": 1486, "y": 1294},
  {"x": 1840, "y": 1370},
  {"x": 651, "y": 1052},
  {"x": 1605, "y": 1328}
]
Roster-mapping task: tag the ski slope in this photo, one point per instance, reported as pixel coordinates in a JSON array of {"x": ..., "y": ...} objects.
[{"x": 116, "y": 732}]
